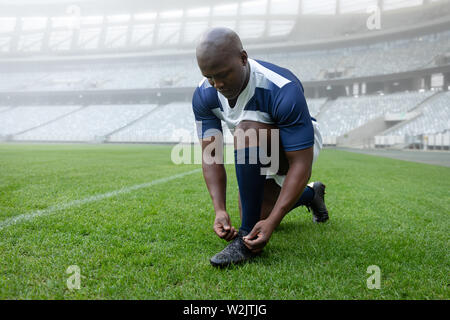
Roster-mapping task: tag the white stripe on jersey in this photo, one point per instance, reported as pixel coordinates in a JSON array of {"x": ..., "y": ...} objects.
[{"x": 268, "y": 74}]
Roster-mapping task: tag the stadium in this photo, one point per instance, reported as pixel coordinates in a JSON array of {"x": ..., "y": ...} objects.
[{"x": 95, "y": 94}]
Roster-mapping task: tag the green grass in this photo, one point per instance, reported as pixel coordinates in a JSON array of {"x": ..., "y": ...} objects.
[{"x": 155, "y": 242}]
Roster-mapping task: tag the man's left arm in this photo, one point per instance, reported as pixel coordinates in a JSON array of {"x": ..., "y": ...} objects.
[{"x": 300, "y": 163}]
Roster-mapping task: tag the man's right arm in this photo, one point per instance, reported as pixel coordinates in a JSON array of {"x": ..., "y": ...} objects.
[
  {"x": 214, "y": 172},
  {"x": 212, "y": 159},
  {"x": 216, "y": 181}
]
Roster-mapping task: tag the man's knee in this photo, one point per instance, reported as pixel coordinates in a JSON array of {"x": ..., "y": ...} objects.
[
  {"x": 251, "y": 134},
  {"x": 248, "y": 124}
]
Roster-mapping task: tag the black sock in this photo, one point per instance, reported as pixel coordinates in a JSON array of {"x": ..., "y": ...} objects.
[
  {"x": 305, "y": 198},
  {"x": 251, "y": 185}
]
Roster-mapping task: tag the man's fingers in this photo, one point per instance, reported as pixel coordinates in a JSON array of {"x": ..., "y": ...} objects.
[
  {"x": 255, "y": 244},
  {"x": 231, "y": 234},
  {"x": 226, "y": 232},
  {"x": 226, "y": 235},
  {"x": 249, "y": 243},
  {"x": 252, "y": 234},
  {"x": 220, "y": 233}
]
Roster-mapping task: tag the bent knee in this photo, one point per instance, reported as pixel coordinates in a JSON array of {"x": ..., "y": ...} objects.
[
  {"x": 248, "y": 124},
  {"x": 250, "y": 133}
]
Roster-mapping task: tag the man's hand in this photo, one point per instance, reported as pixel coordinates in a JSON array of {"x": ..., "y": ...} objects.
[
  {"x": 259, "y": 236},
  {"x": 222, "y": 226}
]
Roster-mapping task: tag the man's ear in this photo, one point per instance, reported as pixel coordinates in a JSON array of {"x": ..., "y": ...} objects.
[{"x": 244, "y": 57}]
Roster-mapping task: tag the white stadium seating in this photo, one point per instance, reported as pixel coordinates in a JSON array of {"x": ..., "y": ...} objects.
[
  {"x": 4, "y": 108},
  {"x": 314, "y": 105},
  {"x": 357, "y": 61},
  {"x": 174, "y": 122},
  {"x": 22, "y": 118},
  {"x": 170, "y": 123},
  {"x": 348, "y": 113},
  {"x": 88, "y": 124},
  {"x": 434, "y": 118}
]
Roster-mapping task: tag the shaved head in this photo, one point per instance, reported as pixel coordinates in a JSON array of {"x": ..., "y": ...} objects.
[
  {"x": 223, "y": 61},
  {"x": 219, "y": 42}
]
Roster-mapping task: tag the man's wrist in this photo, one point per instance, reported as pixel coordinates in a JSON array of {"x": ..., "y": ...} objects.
[
  {"x": 273, "y": 220},
  {"x": 220, "y": 211}
]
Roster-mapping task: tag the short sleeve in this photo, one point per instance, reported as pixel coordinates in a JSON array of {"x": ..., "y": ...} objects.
[
  {"x": 207, "y": 123},
  {"x": 291, "y": 115}
]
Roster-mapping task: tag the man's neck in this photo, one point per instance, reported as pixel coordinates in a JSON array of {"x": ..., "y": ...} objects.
[{"x": 232, "y": 102}]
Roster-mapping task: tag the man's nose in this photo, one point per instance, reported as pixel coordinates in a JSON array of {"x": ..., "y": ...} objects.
[{"x": 218, "y": 84}]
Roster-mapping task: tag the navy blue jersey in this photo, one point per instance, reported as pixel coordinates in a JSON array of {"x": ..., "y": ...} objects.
[{"x": 273, "y": 95}]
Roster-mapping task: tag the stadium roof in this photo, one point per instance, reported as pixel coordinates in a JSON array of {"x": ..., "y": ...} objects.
[
  {"x": 58, "y": 26},
  {"x": 52, "y": 7},
  {"x": 35, "y": 7}
]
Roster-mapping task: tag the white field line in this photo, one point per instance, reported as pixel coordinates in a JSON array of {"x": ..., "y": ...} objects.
[{"x": 40, "y": 213}]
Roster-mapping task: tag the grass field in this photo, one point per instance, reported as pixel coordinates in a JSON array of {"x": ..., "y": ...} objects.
[{"x": 154, "y": 241}]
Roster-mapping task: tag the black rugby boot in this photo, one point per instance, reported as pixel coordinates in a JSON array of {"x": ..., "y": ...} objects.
[{"x": 317, "y": 205}]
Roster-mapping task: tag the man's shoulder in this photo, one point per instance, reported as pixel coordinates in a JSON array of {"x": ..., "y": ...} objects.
[
  {"x": 205, "y": 94},
  {"x": 278, "y": 74},
  {"x": 204, "y": 99}
]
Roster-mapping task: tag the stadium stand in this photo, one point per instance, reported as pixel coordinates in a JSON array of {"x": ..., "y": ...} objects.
[
  {"x": 440, "y": 141},
  {"x": 169, "y": 123},
  {"x": 395, "y": 56},
  {"x": 3, "y": 108},
  {"x": 174, "y": 122},
  {"x": 358, "y": 61},
  {"x": 23, "y": 118},
  {"x": 381, "y": 58},
  {"x": 315, "y": 105},
  {"x": 91, "y": 123},
  {"x": 348, "y": 113},
  {"x": 136, "y": 75},
  {"x": 434, "y": 118}
]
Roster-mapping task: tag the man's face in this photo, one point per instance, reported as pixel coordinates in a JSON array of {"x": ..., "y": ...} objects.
[{"x": 226, "y": 74}]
